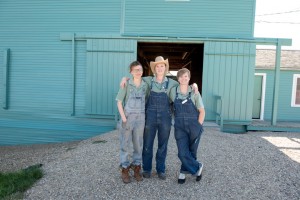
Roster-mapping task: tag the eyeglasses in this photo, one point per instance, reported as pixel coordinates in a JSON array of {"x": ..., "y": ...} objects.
[{"x": 137, "y": 70}]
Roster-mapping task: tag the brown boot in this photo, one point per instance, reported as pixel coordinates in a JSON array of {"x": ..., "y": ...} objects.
[
  {"x": 137, "y": 174},
  {"x": 125, "y": 175}
]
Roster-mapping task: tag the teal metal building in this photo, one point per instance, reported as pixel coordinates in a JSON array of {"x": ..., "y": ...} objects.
[
  {"x": 289, "y": 90},
  {"x": 61, "y": 61}
]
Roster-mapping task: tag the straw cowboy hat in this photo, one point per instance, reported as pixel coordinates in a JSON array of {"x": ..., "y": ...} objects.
[{"x": 158, "y": 60}]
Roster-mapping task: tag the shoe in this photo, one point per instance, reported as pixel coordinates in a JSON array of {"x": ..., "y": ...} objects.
[
  {"x": 181, "y": 178},
  {"x": 162, "y": 176},
  {"x": 199, "y": 172},
  {"x": 137, "y": 174},
  {"x": 125, "y": 175},
  {"x": 146, "y": 175}
]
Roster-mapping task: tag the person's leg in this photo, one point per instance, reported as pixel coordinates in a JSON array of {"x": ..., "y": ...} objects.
[
  {"x": 163, "y": 134},
  {"x": 149, "y": 136},
  {"x": 125, "y": 144},
  {"x": 184, "y": 145},
  {"x": 195, "y": 136},
  {"x": 182, "y": 142},
  {"x": 137, "y": 140}
]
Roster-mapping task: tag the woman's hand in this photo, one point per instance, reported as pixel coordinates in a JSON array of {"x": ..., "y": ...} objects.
[
  {"x": 195, "y": 88},
  {"x": 200, "y": 122},
  {"x": 123, "y": 82}
]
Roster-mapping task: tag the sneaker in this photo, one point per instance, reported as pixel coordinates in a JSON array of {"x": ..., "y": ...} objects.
[
  {"x": 162, "y": 176},
  {"x": 146, "y": 175},
  {"x": 181, "y": 178},
  {"x": 199, "y": 172}
]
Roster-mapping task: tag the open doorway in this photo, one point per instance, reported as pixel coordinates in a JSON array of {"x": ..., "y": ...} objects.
[{"x": 180, "y": 55}]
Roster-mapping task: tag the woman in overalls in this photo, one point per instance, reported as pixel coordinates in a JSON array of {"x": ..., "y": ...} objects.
[
  {"x": 158, "y": 117},
  {"x": 189, "y": 116},
  {"x": 132, "y": 122}
]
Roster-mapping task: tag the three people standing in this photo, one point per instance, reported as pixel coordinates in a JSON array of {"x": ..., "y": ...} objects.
[{"x": 158, "y": 121}]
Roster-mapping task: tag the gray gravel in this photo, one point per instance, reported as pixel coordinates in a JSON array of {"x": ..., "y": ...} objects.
[{"x": 236, "y": 166}]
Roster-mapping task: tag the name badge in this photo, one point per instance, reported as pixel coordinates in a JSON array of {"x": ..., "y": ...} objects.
[{"x": 183, "y": 102}]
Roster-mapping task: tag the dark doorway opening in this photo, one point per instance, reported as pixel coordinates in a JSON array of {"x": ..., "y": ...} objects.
[{"x": 180, "y": 55}]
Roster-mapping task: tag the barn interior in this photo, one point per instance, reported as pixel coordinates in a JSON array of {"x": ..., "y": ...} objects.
[{"x": 179, "y": 55}]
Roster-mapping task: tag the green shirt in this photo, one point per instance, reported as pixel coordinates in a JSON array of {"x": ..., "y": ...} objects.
[
  {"x": 122, "y": 94},
  {"x": 158, "y": 87},
  {"x": 196, "y": 98}
]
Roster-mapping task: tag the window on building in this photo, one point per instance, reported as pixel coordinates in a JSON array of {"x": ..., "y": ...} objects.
[{"x": 296, "y": 91}]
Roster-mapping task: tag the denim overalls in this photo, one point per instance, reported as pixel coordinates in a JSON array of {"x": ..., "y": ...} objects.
[
  {"x": 187, "y": 133},
  {"x": 158, "y": 119},
  {"x": 131, "y": 132}
]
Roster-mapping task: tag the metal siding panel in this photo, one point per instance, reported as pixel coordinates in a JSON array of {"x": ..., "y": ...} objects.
[
  {"x": 206, "y": 85},
  {"x": 285, "y": 111},
  {"x": 80, "y": 84},
  {"x": 250, "y": 78},
  {"x": 234, "y": 71},
  {"x": 110, "y": 63},
  {"x": 194, "y": 18},
  {"x": 41, "y": 74},
  {"x": 1, "y": 75},
  {"x": 240, "y": 111},
  {"x": 225, "y": 64}
]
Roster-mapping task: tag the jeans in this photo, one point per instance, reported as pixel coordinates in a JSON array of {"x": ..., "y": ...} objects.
[
  {"x": 158, "y": 120},
  {"x": 131, "y": 134},
  {"x": 187, "y": 135}
]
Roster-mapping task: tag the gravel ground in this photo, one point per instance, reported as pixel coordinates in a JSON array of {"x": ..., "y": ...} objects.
[{"x": 256, "y": 165}]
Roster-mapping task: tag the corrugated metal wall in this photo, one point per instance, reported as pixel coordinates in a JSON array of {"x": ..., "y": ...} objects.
[
  {"x": 285, "y": 111},
  {"x": 205, "y": 18},
  {"x": 107, "y": 63},
  {"x": 41, "y": 67},
  {"x": 229, "y": 72}
]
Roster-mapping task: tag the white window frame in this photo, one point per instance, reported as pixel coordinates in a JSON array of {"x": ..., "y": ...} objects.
[{"x": 295, "y": 77}]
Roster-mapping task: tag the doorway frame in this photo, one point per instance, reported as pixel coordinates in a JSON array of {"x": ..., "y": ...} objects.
[{"x": 263, "y": 94}]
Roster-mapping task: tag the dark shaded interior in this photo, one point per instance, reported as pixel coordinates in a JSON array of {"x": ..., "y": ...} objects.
[{"x": 180, "y": 55}]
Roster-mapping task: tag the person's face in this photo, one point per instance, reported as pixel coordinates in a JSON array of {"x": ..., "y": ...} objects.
[
  {"x": 137, "y": 71},
  {"x": 160, "y": 69},
  {"x": 184, "y": 79}
]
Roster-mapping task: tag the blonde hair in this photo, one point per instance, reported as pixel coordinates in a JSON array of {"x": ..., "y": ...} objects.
[{"x": 183, "y": 71}]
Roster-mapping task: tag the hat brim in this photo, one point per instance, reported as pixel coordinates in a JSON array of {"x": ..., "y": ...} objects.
[{"x": 153, "y": 64}]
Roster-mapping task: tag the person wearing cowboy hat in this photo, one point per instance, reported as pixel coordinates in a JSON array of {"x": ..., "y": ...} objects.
[{"x": 158, "y": 116}]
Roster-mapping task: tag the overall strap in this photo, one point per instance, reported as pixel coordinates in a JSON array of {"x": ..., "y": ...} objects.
[
  {"x": 176, "y": 92},
  {"x": 151, "y": 83},
  {"x": 167, "y": 85},
  {"x": 190, "y": 92}
]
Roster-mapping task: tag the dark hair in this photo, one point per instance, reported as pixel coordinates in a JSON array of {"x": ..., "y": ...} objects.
[
  {"x": 133, "y": 64},
  {"x": 183, "y": 71}
]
